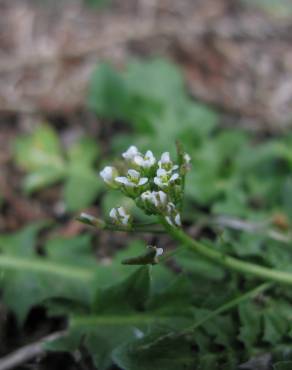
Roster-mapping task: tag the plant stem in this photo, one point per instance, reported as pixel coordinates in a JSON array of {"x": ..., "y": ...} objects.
[
  {"x": 231, "y": 263},
  {"x": 227, "y": 306},
  {"x": 135, "y": 229}
]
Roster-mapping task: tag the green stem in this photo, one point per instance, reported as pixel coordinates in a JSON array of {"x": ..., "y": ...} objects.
[
  {"x": 135, "y": 229},
  {"x": 227, "y": 306},
  {"x": 43, "y": 266},
  {"x": 225, "y": 260}
]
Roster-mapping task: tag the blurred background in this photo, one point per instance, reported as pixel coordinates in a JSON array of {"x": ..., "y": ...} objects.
[
  {"x": 234, "y": 54},
  {"x": 222, "y": 62}
]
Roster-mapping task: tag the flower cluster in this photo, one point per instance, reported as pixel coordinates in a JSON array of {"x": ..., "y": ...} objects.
[{"x": 155, "y": 185}]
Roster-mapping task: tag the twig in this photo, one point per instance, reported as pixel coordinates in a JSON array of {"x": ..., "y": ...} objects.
[{"x": 28, "y": 352}]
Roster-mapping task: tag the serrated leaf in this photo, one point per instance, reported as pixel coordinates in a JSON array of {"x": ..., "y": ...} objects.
[
  {"x": 41, "y": 155},
  {"x": 28, "y": 279},
  {"x": 250, "y": 327},
  {"x": 283, "y": 365},
  {"x": 130, "y": 295}
]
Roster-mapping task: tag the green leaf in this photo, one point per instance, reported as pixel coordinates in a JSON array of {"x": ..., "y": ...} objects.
[
  {"x": 250, "y": 328},
  {"x": 275, "y": 326},
  {"x": 199, "y": 266},
  {"x": 41, "y": 149},
  {"x": 283, "y": 365},
  {"x": 167, "y": 355},
  {"x": 41, "y": 155},
  {"x": 108, "y": 95},
  {"x": 130, "y": 295},
  {"x": 82, "y": 153},
  {"x": 81, "y": 189},
  {"x": 28, "y": 279}
]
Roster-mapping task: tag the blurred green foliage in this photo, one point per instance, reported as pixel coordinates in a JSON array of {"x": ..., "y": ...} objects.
[
  {"x": 42, "y": 156},
  {"x": 282, "y": 8}
]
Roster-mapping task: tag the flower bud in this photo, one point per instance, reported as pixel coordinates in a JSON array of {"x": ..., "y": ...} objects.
[
  {"x": 172, "y": 215},
  {"x": 166, "y": 163},
  {"x": 120, "y": 217},
  {"x": 154, "y": 201},
  {"x": 87, "y": 219}
]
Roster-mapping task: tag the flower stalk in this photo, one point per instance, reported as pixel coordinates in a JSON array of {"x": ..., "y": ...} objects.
[{"x": 229, "y": 262}]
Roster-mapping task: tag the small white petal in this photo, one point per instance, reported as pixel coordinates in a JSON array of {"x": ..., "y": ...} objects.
[
  {"x": 165, "y": 157},
  {"x": 138, "y": 160},
  {"x": 146, "y": 195},
  {"x": 162, "y": 196},
  {"x": 108, "y": 173},
  {"x": 177, "y": 220},
  {"x": 142, "y": 181},
  {"x": 113, "y": 213},
  {"x": 170, "y": 207},
  {"x": 125, "y": 220},
  {"x": 131, "y": 152},
  {"x": 122, "y": 180},
  {"x": 161, "y": 172},
  {"x": 121, "y": 211},
  {"x": 159, "y": 183},
  {"x": 133, "y": 173},
  {"x": 168, "y": 219},
  {"x": 159, "y": 252},
  {"x": 174, "y": 177},
  {"x": 187, "y": 158}
]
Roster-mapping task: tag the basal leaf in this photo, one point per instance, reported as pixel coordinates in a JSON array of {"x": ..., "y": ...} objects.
[
  {"x": 41, "y": 155},
  {"x": 41, "y": 149},
  {"x": 130, "y": 295},
  {"x": 283, "y": 365},
  {"x": 28, "y": 279}
]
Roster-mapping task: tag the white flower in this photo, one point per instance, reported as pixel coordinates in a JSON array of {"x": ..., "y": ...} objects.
[
  {"x": 155, "y": 198},
  {"x": 108, "y": 175},
  {"x": 133, "y": 179},
  {"x": 130, "y": 153},
  {"x": 166, "y": 163},
  {"x": 120, "y": 216},
  {"x": 163, "y": 178},
  {"x": 146, "y": 161}
]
